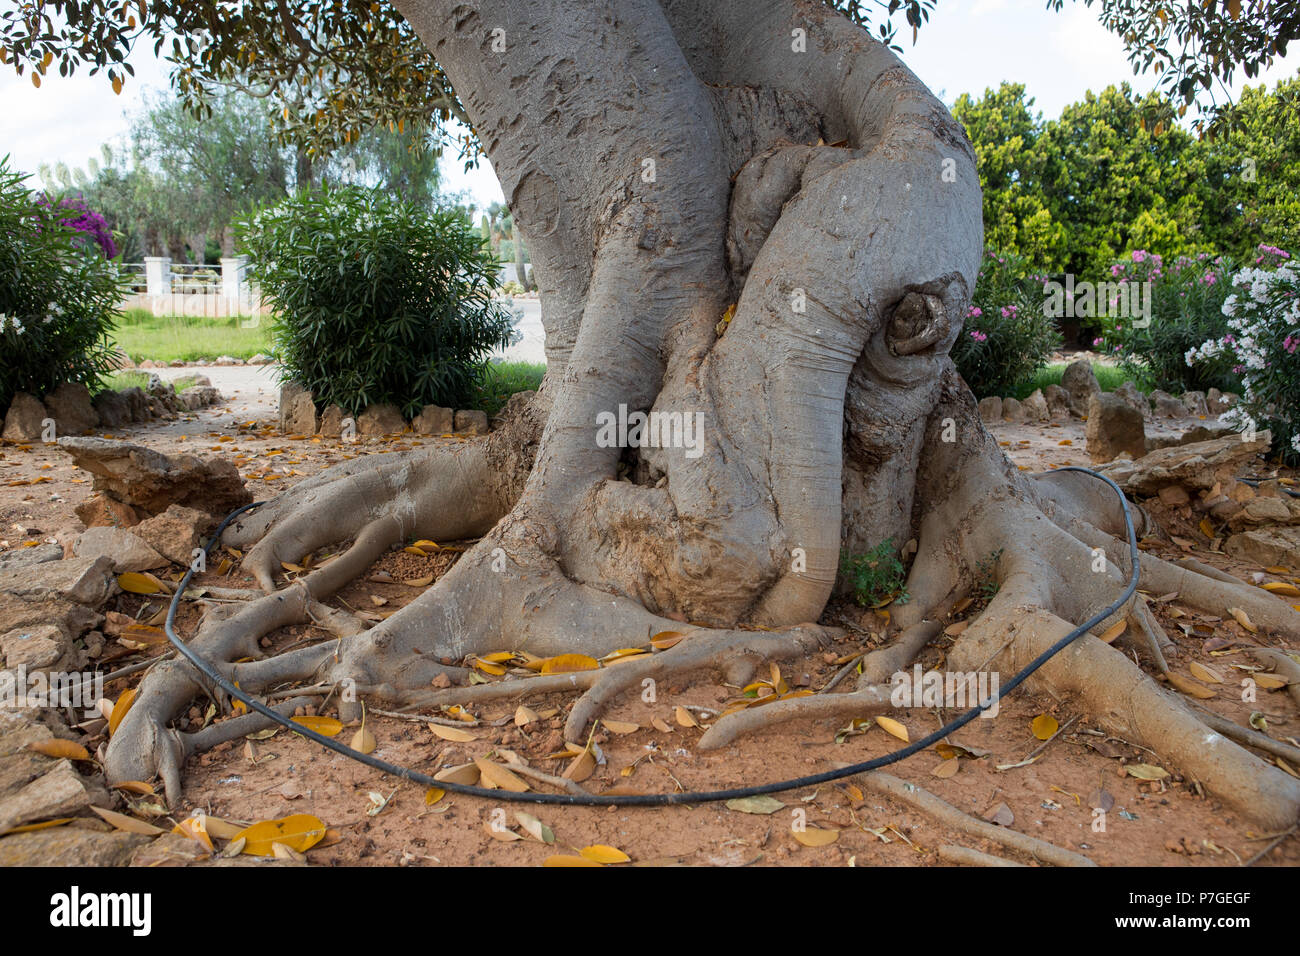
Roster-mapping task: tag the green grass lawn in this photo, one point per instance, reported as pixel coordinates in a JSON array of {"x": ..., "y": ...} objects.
[
  {"x": 1108, "y": 377},
  {"x": 170, "y": 338},
  {"x": 501, "y": 380},
  {"x": 130, "y": 378}
]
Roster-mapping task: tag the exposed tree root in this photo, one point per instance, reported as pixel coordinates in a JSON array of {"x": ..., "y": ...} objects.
[
  {"x": 909, "y": 793},
  {"x": 1284, "y": 665},
  {"x": 965, "y": 856}
]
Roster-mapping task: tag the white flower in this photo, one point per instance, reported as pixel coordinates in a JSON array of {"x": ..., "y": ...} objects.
[{"x": 1295, "y": 441}]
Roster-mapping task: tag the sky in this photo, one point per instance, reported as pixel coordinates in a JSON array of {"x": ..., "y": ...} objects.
[{"x": 969, "y": 45}]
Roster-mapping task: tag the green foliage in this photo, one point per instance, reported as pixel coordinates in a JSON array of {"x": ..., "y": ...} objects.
[
  {"x": 377, "y": 300},
  {"x": 58, "y": 297},
  {"x": 1109, "y": 377},
  {"x": 877, "y": 577},
  {"x": 1008, "y": 336},
  {"x": 1186, "y": 296},
  {"x": 1262, "y": 344},
  {"x": 500, "y": 380},
  {"x": 986, "y": 582},
  {"x": 183, "y": 338}
]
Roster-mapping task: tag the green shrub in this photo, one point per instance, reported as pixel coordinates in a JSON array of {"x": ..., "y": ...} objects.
[
  {"x": 58, "y": 297},
  {"x": 1008, "y": 336},
  {"x": 1262, "y": 345},
  {"x": 877, "y": 577},
  {"x": 1186, "y": 309},
  {"x": 376, "y": 299}
]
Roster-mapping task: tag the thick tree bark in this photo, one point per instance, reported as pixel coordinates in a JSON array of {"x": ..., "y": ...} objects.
[{"x": 668, "y": 160}]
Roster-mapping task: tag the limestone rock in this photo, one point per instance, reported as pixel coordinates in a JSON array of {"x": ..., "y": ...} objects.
[
  {"x": 175, "y": 533},
  {"x": 1058, "y": 401},
  {"x": 1133, "y": 396},
  {"x": 138, "y": 402},
  {"x": 101, "y": 511},
  {"x": 288, "y": 392},
  {"x": 30, "y": 557},
  {"x": 113, "y": 408},
  {"x": 151, "y": 481},
  {"x": 1035, "y": 407},
  {"x": 1114, "y": 427},
  {"x": 1266, "y": 546},
  {"x": 471, "y": 421},
  {"x": 127, "y": 551},
  {"x": 35, "y": 648},
  {"x": 990, "y": 409},
  {"x": 71, "y": 408},
  {"x": 380, "y": 420},
  {"x": 1080, "y": 383},
  {"x": 1197, "y": 466},
  {"x": 70, "y": 846},
  {"x": 24, "y": 418},
  {"x": 88, "y": 581},
  {"x": 1166, "y": 406},
  {"x": 1012, "y": 410},
  {"x": 73, "y": 620},
  {"x": 434, "y": 420},
  {"x": 58, "y": 792},
  {"x": 1196, "y": 404},
  {"x": 331, "y": 422},
  {"x": 300, "y": 417}
]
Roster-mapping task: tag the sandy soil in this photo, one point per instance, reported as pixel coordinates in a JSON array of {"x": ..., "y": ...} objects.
[{"x": 1166, "y": 823}]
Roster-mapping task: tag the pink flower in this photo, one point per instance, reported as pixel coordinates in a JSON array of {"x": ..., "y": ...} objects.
[
  {"x": 974, "y": 312},
  {"x": 1140, "y": 255},
  {"x": 1290, "y": 343},
  {"x": 979, "y": 336},
  {"x": 1096, "y": 342}
]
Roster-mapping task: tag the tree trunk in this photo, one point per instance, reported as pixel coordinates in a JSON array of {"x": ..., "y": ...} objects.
[
  {"x": 670, "y": 160},
  {"x": 521, "y": 270}
]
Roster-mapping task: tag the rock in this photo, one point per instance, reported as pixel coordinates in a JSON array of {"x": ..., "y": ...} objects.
[
  {"x": 113, "y": 409},
  {"x": 471, "y": 421},
  {"x": 331, "y": 422},
  {"x": 151, "y": 481},
  {"x": 58, "y": 792},
  {"x": 1114, "y": 428},
  {"x": 127, "y": 551},
  {"x": 1198, "y": 466},
  {"x": 71, "y": 408},
  {"x": 198, "y": 396},
  {"x": 1261, "y": 511},
  {"x": 259, "y": 359},
  {"x": 1195, "y": 404},
  {"x": 227, "y": 360},
  {"x": 102, "y": 511},
  {"x": 1214, "y": 402},
  {"x": 1012, "y": 410},
  {"x": 121, "y": 360},
  {"x": 434, "y": 420},
  {"x": 148, "y": 363},
  {"x": 200, "y": 380},
  {"x": 175, "y": 533},
  {"x": 138, "y": 402},
  {"x": 1175, "y": 496},
  {"x": 70, "y": 846},
  {"x": 288, "y": 392},
  {"x": 380, "y": 420},
  {"x": 1266, "y": 546},
  {"x": 1035, "y": 407},
  {"x": 1080, "y": 383},
  {"x": 990, "y": 409},
  {"x": 1058, "y": 401},
  {"x": 1195, "y": 434},
  {"x": 23, "y": 421},
  {"x": 35, "y": 648},
  {"x": 300, "y": 417},
  {"x": 29, "y": 557},
  {"x": 1133, "y": 396},
  {"x": 1166, "y": 406},
  {"x": 72, "y": 620},
  {"x": 86, "y": 581}
]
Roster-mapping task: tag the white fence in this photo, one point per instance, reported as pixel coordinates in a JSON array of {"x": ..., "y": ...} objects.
[{"x": 165, "y": 288}]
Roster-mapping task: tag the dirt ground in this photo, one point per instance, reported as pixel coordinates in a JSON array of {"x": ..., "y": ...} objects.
[{"x": 1167, "y": 823}]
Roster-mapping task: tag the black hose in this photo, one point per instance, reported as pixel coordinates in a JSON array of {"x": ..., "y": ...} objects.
[{"x": 651, "y": 799}]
